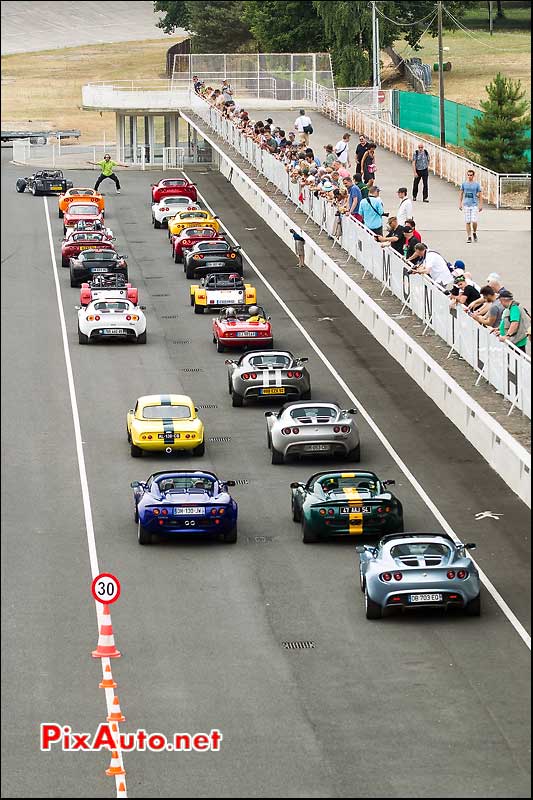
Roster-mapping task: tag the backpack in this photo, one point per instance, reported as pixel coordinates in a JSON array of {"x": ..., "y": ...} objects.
[{"x": 523, "y": 325}]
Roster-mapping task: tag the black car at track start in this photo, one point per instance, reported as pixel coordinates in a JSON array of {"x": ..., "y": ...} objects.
[
  {"x": 212, "y": 256},
  {"x": 91, "y": 263},
  {"x": 47, "y": 181}
]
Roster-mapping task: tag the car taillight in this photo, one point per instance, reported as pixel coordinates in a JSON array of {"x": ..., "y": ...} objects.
[
  {"x": 221, "y": 511},
  {"x": 128, "y": 316},
  {"x": 134, "y": 317},
  {"x": 386, "y": 576},
  {"x": 450, "y": 574},
  {"x": 290, "y": 374},
  {"x": 90, "y": 318},
  {"x": 164, "y": 512},
  {"x": 322, "y": 512},
  {"x": 296, "y": 430},
  {"x": 331, "y": 511},
  {"x": 164, "y": 209},
  {"x": 232, "y": 255},
  {"x": 246, "y": 376},
  {"x": 462, "y": 573},
  {"x": 186, "y": 243},
  {"x": 97, "y": 318},
  {"x": 345, "y": 429},
  {"x": 253, "y": 375},
  {"x": 297, "y": 374},
  {"x": 198, "y": 256},
  {"x": 213, "y": 511},
  {"x": 398, "y": 576},
  {"x": 336, "y": 429},
  {"x": 155, "y": 512},
  {"x": 285, "y": 431}
]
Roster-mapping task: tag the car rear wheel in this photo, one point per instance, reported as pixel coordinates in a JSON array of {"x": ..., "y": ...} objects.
[
  {"x": 189, "y": 273},
  {"x": 400, "y": 528},
  {"x": 82, "y": 337},
  {"x": 20, "y": 185},
  {"x": 198, "y": 309},
  {"x": 296, "y": 512},
  {"x": 308, "y": 536},
  {"x": 237, "y": 399},
  {"x": 135, "y": 451},
  {"x": 220, "y": 348},
  {"x": 473, "y": 608},
  {"x": 156, "y": 222},
  {"x": 362, "y": 581},
  {"x": 65, "y": 262},
  {"x": 135, "y": 512},
  {"x": 277, "y": 457},
  {"x": 141, "y": 338},
  {"x": 269, "y": 439},
  {"x": 230, "y": 537},
  {"x": 230, "y": 386},
  {"x": 73, "y": 282},
  {"x": 143, "y": 536},
  {"x": 355, "y": 454},
  {"x": 60, "y": 213},
  {"x": 35, "y": 192},
  {"x": 373, "y": 610},
  {"x": 200, "y": 450},
  {"x": 177, "y": 259}
]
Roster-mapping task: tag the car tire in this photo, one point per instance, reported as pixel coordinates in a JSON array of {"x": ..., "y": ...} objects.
[
  {"x": 65, "y": 263},
  {"x": 82, "y": 337},
  {"x": 141, "y": 338},
  {"x": 135, "y": 511},
  {"x": 230, "y": 386},
  {"x": 220, "y": 347},
  {"x": 400, "y": 528},
  {"x": 20, "y": 185},
  {"x": 269, "y": 440},
  {"x": 237, "y": 400},
  {"x": 473, "y": 608},
  {"x": 176, "y": 257},
  {"x": 200, "y": 450},
  {"x": 189, "y": 273},
  {"x": 306, "y": 395},
  {"x": 135, "y": 451},
  {"x": 198, "y": 309},
  {"x": 230, "y": 537},
  {"x": 192, "y": 299},
  {"x": 308, "y": 537},
  {"x": 157, "y": 224},
  {"x": 35, "y": 192},
  {"x": 354, "y": 455},
  {"x": 362, "y": 581},
  {"x": 277, "y": 457},
  {"x": 60, "y": 213},
  {"x": 143, "y": 536},
  {"x": 296, "y": 514},
  {"x": 64, "y": 230},
  {"x": 372, "y": 609},
  {"x": 73, "y": 282}
]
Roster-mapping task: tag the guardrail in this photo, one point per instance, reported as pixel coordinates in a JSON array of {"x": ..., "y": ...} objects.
[
  {"x": 503, "y": 366},
  {"x": 505, "y": 455},
  {"x": 137, "y": 94}
]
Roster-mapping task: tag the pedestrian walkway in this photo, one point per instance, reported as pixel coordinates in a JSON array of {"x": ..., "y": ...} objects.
[{"x": 504, "y": 244}]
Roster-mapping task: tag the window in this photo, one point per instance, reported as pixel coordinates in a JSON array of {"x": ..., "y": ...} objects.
[
  {"x": 118, "y": 306},
  {"x": 85, "y": 209},
  {"x": 187, "y": 484},
  {"x": 98, "y": 255},
  {"x": 174, "y": 182},
  {"x": 277, "y": 361},
  {"x": 314, "y": 411},
  {"x": 166, "y": 412},
  {"x": 419, "y": 549}
]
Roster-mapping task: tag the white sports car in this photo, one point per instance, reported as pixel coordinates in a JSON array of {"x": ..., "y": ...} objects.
[
  {"x": 169, "y": 206},
  {"x": 111, "y": 319}
]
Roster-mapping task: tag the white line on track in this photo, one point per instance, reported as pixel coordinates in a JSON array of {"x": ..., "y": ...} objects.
[
  {"x": 89, "y": 527},
  {"x": 511, "y": 616}
]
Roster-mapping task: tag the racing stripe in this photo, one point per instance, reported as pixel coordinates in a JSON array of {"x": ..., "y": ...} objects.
[
  {"x": 355, "y": 523},
  {"x": 266, "y": 377},
  {"x": 278, "y": 377},
  {"x": 168, "y": 422}
]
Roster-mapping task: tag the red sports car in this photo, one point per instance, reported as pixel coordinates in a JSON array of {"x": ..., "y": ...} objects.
[
  {"x": 188, "y": 237},
  {"x": 174, "y": 187},
  {"x": 242, "y": 326},
  {"x": 88, "y": 212},
  {"x": 83, "y": 240}
]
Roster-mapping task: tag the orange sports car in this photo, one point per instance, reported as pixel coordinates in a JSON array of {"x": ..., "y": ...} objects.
[{"x": 79, "y": 196}]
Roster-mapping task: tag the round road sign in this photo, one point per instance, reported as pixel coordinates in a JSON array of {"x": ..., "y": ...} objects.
[
  {"x": 381, "y": 97},
  {"x": 105, "y": 588}
]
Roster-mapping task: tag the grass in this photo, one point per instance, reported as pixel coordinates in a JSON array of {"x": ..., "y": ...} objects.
[{"x": 44, "y": 89}]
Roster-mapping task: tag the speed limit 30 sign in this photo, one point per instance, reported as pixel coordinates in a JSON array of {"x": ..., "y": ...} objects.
[{"x": 105, "y": 588}]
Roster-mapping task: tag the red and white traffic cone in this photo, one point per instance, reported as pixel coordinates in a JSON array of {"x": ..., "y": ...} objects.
[
  {"x": 107, "y": 682},
  {"x": 106, "y": 640},
  {"x": 121, "y": 791},
  {"x": 116, "y": 714},
  {"x": 115, "y": 768}
]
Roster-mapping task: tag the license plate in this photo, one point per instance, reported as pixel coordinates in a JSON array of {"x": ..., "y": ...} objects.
[
  {"x": 119, "y": 331},
  {"x": 98, "y": 269},
  {"x": 425, "y": 598},
  {"x": 188, "y": 510},
  {"x": 168, "y": 437},
  {"x": 356, "y": 510},
  {"x": 272, "y": 391},
  {"x": 316, "y": 448},
  {"x": 86, "y": 247},
  {"x": 246, "y": 333},
  {"x": 56, "y": 188},
  {"x": 216, "y": 263}
]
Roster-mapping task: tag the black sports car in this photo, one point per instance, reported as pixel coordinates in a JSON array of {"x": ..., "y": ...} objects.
[
  {"x": 44, "y": 182},
  {"x": 212, "y": 256},
  {"x": 91, "y": 263}
]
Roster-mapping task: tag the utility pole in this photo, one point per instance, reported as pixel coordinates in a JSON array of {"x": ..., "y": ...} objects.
[
  {"x": 374, "y": 70},
  {"x": 441, "y": 78},
  {"x": 490, "y": 17}
]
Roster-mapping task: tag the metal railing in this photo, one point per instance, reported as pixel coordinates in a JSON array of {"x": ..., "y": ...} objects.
[
  {"x": 161, "y": 94},
  {"x": 503, "y": 366},
  {"x": 173, "y": 158},
  {"x": 52, "y": 155}
]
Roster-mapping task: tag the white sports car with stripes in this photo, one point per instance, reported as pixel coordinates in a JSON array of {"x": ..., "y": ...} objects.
[
  {"x": 168, "y": 206},
  {"x": 268, "y": 374}
]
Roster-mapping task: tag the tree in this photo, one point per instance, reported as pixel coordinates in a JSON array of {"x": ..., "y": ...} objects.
[
  {"x": 500, "y": 136},
  {"x": 285, "y": 27},
  {"x": 176, "y": 15},
  {"x": 217, "y": 26}
]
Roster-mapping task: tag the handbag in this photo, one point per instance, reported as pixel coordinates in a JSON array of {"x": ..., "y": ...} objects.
[{"x": 308, "y": 129}]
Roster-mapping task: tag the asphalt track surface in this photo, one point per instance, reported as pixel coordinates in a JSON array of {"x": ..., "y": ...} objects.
[{"x": 413, "y": 706}]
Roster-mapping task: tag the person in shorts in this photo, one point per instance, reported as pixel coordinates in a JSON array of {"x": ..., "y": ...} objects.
[
  {"x": 471, "y": 203},
  {"x": 299, "y": 246}
]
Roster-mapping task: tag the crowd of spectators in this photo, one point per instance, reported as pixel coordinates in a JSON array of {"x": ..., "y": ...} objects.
[{"x": 328, "y": 175}]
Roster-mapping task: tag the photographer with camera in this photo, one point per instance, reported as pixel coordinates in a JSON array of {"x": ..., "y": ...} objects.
[{"x": 371, "y": 209}]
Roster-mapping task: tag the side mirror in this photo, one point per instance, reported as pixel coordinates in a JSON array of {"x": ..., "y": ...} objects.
[
  {"x": 352, "y": 411},
  {"x": 78, "y": 308},
  {"x": 135, "y": 484},
  {"x": 296, "y": 485},
  {"x": 359, "y": 548},
  {"x": 123, "y": 256},
  {"x": 236, "y": 247},
  {"x": 113, "y": 239},
  {"x": 388, "y": 483},
  {"x": 130, "y": 411},
  {"x": 470, "y": 545},
  {"x": 268, "y": 319},
  {"x": 302, "y": 360},
  {"x": 229, "y": 361},
  {"x": 268, "y": 413},
  {"x": 143, "y": 308},
  {"x": 196, "y": 409},
  {"x": 230, "y": 483}
]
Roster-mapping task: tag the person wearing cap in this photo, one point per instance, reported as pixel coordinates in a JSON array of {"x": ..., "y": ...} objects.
[
  {"x": 405, "y": 209},
  {"x": 410, "y": 241},
  {"x": 514, "y": 322},
  {"x": 395, "y": 236},
  {"x": 432, "y": 264},
  {"x": 463, "y": 292},
  {"x": 371, "y": 209}
]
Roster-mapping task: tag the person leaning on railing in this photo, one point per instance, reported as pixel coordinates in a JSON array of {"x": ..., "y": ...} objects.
[{"x": 514, "y": 323}]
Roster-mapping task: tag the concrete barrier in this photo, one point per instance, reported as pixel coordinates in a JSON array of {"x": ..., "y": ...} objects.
[{"x": 505, "y": 455}]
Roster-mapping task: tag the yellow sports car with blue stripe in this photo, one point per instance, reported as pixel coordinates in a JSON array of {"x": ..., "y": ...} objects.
[
  {"x": 191, "y": 219},
  {"x": 345, "y": 504},
  {"x": 165, "y": 422},
  {"x": 220, "y": 290}
]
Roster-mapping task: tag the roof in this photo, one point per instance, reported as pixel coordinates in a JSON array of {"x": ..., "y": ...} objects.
[{"x": 156, "y": 399}]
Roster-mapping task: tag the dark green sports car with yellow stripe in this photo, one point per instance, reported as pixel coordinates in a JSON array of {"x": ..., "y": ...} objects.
[{"x": 345, "y": 504}]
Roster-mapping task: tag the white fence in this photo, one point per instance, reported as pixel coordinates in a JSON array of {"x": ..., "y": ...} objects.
[
  {"x": 56, "y": 155},
  {"x": 173, "y": 158},
  {"x": 502, "y": 365},
  {"x": 162, "y": 94}
]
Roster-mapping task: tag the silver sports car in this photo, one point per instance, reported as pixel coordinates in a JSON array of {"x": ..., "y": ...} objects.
[
  {"x": 268, "y": 374},
  {"x": 306, "y": 429},
  {"x": 418, "y": 570}
]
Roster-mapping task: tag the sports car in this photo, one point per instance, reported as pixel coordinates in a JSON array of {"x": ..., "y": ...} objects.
[
  {"x": 184, "y": 219},
  {"x": 310, "y": 429},
  {"x": 79, "y": 196},
  {"x": 76, "y": 212},
  {"x": 96, "y": 262},
  {"x": 165, "y": 422},
  {"x": 189, "y": 237},
  {"x": 169, "y": 206},
  {"x": 216, "y": 256},
  {"x": 345, "y": 503},
  {"x": 78, "y": 241},
  {"x": 219, "y": 290},
  {"x": 110, "y": 286},
  {"x": 269, "y": 374},
  {"x": 184, "y": 503},
  {"x": 173, "y": 186},
  {"x": 242, "y": 330},
  {"x": 418, "y": 570},
  {"x": 111, "y": 319},
  {"x": 46, "y": 181}
]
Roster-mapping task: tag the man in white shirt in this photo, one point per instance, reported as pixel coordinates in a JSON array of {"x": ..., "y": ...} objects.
[
  {"x": 302, "y": 125},
  {"x": 433, "y": 264},
  {"x": 405, "y": 209},
  {"x": 341, "y": 150}
]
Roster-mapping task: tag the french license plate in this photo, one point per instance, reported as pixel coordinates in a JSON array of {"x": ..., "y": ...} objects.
[
  {"x": 316, "y": 448},
  {"x": 119, "y": 331},
  {"x": 425, "y": 598},
  {"x": 56, "y": 188},
  {"x": 216, "y": 263},
  {"x": 98, "y": 269},
  {"x": 188, "y": 510},
  {"x": 86, "y": 247},
  {"x": 246, "y": 333},
  {"x": 273, "y": 390},
  {"x": 356, "y": 510},
  {"x": 168, "y": 437}
]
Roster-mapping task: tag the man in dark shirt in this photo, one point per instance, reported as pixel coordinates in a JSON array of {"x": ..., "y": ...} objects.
[
  {"x": 463, "y": 292},
  {"x": 395, "y": 236},
  {"x": 410, "y": 241},
  {"x": 360, "y": 150}
]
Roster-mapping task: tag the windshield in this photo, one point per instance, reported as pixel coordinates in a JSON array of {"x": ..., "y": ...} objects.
[
  {"x": 98, "y": 255},
  {"x": 270, "y": 361},
  {"x": 419, "y": 549},
  {"x": 337, "y": 483},
  {"x": 174, "y": 182},
  {"x": 302, "y": 412},
  {"x": 177, "y": 201},
  {"x": 205, "y": 246},
  {"x": 166, "y": 412},
  {"x": 197, "y": 214},
  {"x": 83, "y": 209},
  {"x": 189, "y": 484},
  {"x": 86, "y": 237},
  {"x": 111, "y": 306},
  {"x": 81, "y": 192},
  {"x": 204, "y": 232}
]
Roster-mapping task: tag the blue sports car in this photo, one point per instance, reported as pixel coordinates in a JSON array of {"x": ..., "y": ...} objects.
[
  {"x": 417, "y": 570},
  {"x": 184, "y": 502}
]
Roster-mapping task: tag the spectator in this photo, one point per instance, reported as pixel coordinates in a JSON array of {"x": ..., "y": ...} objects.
[
  {"x": 299, "y": 246},
  {"x": 330, "y": 155},
  {"x": 421, "y": 171},
  {"x": 341, "y": 151},
  {"x": 458, "y": 268},
  {"x": 371, "y": 209},
  {"x": 410, "y": 241},
  {"x": 304, "y": 127},
  {"x": 471, "y": 201},
  {"x": 412, "y": 224},
  {"x": 405, "y": 209},
  {"x": 494, "y": 280},
  {"x": 514, "y": 321},
  {"x": 291, "y": 136},
  {"x": 466, "y": 292},
  {"x": 354, "y": 197},
  {"x": 360, "y": 150},
  {"x": 227, "y": 91},
  {"x": 432, "y": 264},
  {"x": 368, "y": 164},
  {"x": 491, "y": 311},
  {"x": 309, "y": 152},
  {"x": 340, "y": 169},
  {"x": 395, "y": 236}
]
